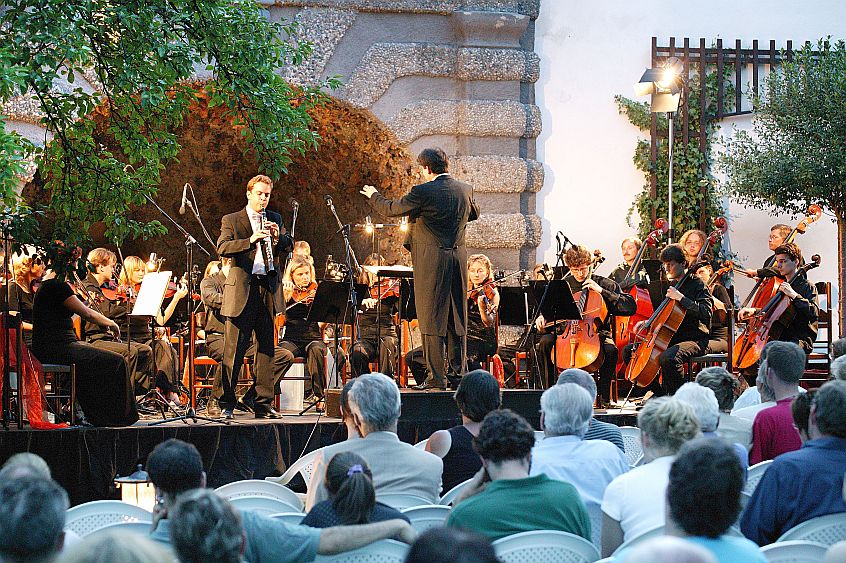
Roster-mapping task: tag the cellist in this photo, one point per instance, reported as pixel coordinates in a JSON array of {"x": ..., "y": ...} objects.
[
  {"x": 578, "y": 259},
  {"x": 778, "y": 234},
  {"x": 629, "y": 248},
  {"x": 801, "y": 326}
]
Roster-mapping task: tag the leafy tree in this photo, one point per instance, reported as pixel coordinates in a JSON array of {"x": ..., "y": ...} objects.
[
  {"x": 796, "y": 152},
  {"x": 142, "y": 57}
]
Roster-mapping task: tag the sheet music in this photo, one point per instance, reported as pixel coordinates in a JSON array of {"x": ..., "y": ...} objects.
[{"x": 151, "y": 294}]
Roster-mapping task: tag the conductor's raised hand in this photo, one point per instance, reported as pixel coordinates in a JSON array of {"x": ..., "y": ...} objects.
[{"x": 368, "y": 191}]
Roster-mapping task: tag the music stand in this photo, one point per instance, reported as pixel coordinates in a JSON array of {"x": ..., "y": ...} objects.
[
  {"x": 513, "y": 306},
  {"x": 658, "y": 283},
  {"x": 390, "y": 272}
]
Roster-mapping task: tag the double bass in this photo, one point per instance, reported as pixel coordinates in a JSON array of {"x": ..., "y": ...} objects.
[
  {"x": 579, "y": 344},
  {"x": 762, "y": 327},
  {"x": 656, "y": 332},
  {"x": 623, "y": 325}
]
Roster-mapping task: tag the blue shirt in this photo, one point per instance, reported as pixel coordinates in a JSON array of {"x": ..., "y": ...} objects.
[
  {"x": 730, "y": 549},
  {"x": 798, "y": 486}
]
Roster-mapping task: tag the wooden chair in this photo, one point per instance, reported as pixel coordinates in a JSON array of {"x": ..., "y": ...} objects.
[
  {"x": 718, "y": 358},
  {"x": 818, "y": 366}
]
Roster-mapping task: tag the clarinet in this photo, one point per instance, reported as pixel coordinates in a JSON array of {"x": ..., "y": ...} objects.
[{"x": 266, "y": 245}]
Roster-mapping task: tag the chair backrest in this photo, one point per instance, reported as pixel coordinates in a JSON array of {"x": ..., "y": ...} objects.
[
  {"x": 86, "y": 518},
  {"x": 631, "y": 443},
  {"x": 820, "y": 358},
  {"x": 422, "y": 444},
  {"x": 261, "y": 488},
  {"x": 793, "y": 551},
  {"x": 383, "y": 551},
  {"x": 262, "y": 505},
  {"x": 303, "y": 466},
  {"x": 827, "y": 530},
  {"x": 754, "y": 475},
  {"x": 545, "y": 545},
  {"x": 595, "y": 515},
  {"x": 140, "y": 528},
  {"x": 292, "y": 518},
  {"x": 539, "y": 435},
  {"x": 427, "y": 516},
  {"x": 401, "y": 501},
  {"x": 650, "y": 533},
  {"x": 450, "y": 495}
]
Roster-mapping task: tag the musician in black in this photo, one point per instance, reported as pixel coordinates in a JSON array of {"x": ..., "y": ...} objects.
[
  {"x": 630, "y": 247},
  {"x": 778, "y": 234},
  {"x": 372, "y": 314},
  {"x": 718, "y": 336},
  {"x": 578, "y": 259},
  {"x": 482, "y": 305}
]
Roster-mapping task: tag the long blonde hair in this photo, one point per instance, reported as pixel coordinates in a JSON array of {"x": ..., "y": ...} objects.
[
  {"x": 131, "y": 264},
  {"x": 295, "y": 263}
]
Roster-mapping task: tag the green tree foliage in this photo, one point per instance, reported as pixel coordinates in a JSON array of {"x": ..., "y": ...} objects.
[
  {"x": 142, "y": 57},
  {"x": 795, "y": 154}
]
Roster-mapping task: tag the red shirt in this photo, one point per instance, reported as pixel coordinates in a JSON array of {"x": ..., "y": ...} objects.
[{"x": 773, "y": 433}]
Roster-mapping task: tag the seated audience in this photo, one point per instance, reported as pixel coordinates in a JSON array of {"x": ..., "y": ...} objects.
[
  {"x": 838, "y": 368},
  {"x": 597, "y": 430},
  {"x": 352, "y": 499},
  {"x": 800, "y": 409},
  {"x": 805, "y": 483},
  {"x": 704, "y": 403},
  {"x": 206, "y": 529},
  {"x": 635, "y": 502},
  {"x": 754, "y": 399},
  {"x": 116, "y": 546},
  {"x": 666, "y": 549},
  {"x": 703, "y": 499},
  {"x": 24, "y": 464},
  {"x": 838, "y": 348},
  {"x": 564, "y": 455},
  {"x": 772, "y": 430},
  {"x": 448, "y": 545},
  {"x": 724, "y": 385},
  {"x": 33, "y": 517},
  {"x": 476, "y": 396},
  {"x": 346, "y": 414},
  {"x": 502, "y": 499},
  {"x": 397, "y": 467},
  {"x": 175, "y": 468}
]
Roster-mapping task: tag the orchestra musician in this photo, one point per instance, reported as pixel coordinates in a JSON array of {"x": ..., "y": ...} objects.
[
  {"x": 367, "y": 346},
  {"x": 579, "y": 259},
  {"x": 439, "y": 211},
  {"x": 253, "y": 237},
  {"x": 482, "y": 305},
  {"x": 778, "y": 234},
  {"x": 718, "y": 336},
  {"x": 629, "y": 248},
  {"x": 27, "y": 271},
  {"x": 801, "y": 326},
  {"x": 691, "y": 243},
  {"x": 211, "y": 292},
  {"x": 303, "y": 248}
]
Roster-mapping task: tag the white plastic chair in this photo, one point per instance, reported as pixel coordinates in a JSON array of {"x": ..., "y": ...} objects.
[
  {"x": 827, "y": 530},
  {"x": 422, "y": 444},
  {"x": 794, "y": 550},
  {"x": 539, "y": 435},
  {"x": 293, "y": 518},
  {"x": 260, "y": 488},
  {"x": 401, "y": 501},
  {"x": 383, "y": 551},
  {"x": 262, "y": 505},
  {"x": 631, "y": 443},
  {"x": 450, "y": 495},
  {"x": 427, "y": 516},
  {"x": 303, "y": 466},
  {"x": 754, "y": 475},
  {"x": 140, "y": 527},
  {"x": 545, "y": 545},
  {"x": 650, "y": 533},
  {"x": 86, "y": 518}
]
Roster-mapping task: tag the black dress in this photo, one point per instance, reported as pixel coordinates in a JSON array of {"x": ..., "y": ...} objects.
[
  {"x": 461, "y": 462},
  {"x": 21, "y": 301},
  {"x": 103, "y": 388}
]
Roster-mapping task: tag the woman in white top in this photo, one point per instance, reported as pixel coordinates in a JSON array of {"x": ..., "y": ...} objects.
[{"x": 635, "y": 501}]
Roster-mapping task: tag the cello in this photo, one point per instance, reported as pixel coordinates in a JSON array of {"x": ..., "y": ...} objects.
[
  {"x": 622, "y": 325},
  {"x": 762, "y": 327},
  {"x": 579, "y": 345},
  {"x": 656, "y": 332}
]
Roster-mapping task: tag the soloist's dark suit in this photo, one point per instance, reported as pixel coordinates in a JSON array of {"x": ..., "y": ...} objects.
[
  {"x": 440, "y": 210},
  {"x": 249, "y": 304}
]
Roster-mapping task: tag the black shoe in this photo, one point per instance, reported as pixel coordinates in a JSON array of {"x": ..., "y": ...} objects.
[
  {"x": 228, "y": 414},
  {"x": 240, "y": 406},
  {"x": 430, "y": 385},
  {"x": 267, "y": 412}
]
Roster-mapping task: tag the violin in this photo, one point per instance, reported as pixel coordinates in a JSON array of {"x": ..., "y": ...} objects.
[
  {"x": 487, "y": 291},
  {"x": 384, "y": 288},
  {"x": 579, "y": 345},
  {"x": 303, "y": 295}
]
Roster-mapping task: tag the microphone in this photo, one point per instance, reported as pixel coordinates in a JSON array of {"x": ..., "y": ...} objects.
[
  {"x": 293, "y": 203},
  {"x": 184, "y": 199}
]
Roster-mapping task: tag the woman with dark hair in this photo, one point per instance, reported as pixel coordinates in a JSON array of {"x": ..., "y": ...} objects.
[
  {"x": 477, "y": 395},
  {"x": 451, "y": 545},
  {"x": 352, "y": 498}
]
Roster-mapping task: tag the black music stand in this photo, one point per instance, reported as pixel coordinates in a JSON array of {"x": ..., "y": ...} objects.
[{"x": 513, "y": 306}]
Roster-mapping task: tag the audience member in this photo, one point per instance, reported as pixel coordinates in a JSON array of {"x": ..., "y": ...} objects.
[
  {"x": 397, "y": 467},
  {"x": 449, "y": 545},
  {"x": 205, "y": 528},
  {"x": 635, "y": 501},
  {"x": 116, "y": 546},
  {"x": 838, "y": 348},
  {"x": 772, "y": 430},
  {"x": 704, "y": 403},
  {"x": 800, "y": 409},
  {"x": 175, "y": 468},
  {"x": 703, "y": 499},
  {"x": 32, "y": 519},
  {"x": 754, "y": 399},
  {"x": 838, "y": 368},
  {"x": 597, "y": 430},
  {"x": 24, "y": 464},
  {"x": 564, "y": 455},
  {"x": 346, "y": 414},
  {"x": 667, "y": 549},
  {"x": 352, "y": 499},
  {"x": 724, "y": 385},
  {"x": 502, "y": 499},
  {"x": 476, "y": 396},
  {"x": 806, "y": 483}
]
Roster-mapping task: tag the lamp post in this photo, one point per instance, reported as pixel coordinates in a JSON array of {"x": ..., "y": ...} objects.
[
  {"x": 137, "y": 489},
  {"x": 664, "y": 84}
]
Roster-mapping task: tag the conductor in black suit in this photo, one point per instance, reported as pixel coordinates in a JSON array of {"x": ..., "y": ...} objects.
[
  {"x": 439, "y": 211},
  {"x": 252, "y": 293}
]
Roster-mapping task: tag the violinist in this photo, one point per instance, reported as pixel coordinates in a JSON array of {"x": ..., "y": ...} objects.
[
  {"x": 691, "y": 243},
  {"x": 799, "y": 324},
  {"x": 303, "y": 248},
  {"x": 139, "y": 356},
  {"x": 718, "y": 335},
  {"x": 302, "y": 338},
  {"x": 629, "y": 248},
  {"x": 28, "y": 269},
  {"x": 482, "y": 305},
  {"x": 579, "y": 259},
  {"x": 211, "y": 291},
  {"x": 366, "y": 346}
]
